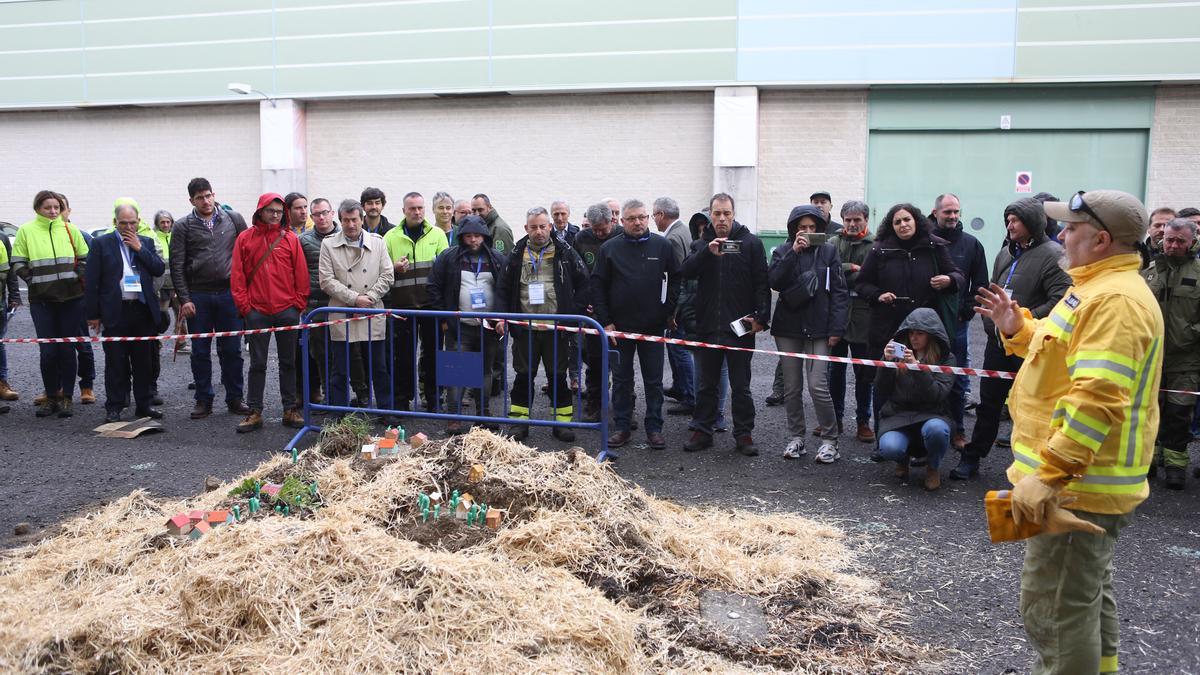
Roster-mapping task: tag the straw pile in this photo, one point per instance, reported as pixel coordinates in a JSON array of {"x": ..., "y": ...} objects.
[{"x": 589, "y": 574}]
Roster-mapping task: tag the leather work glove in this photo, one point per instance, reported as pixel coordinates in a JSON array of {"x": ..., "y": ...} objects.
[
  {"x": 1062, "y": 521},
  {"x": 1031, "y": 499}
]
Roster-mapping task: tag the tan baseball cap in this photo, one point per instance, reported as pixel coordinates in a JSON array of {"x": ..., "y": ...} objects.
[{"x": 1122, "y": 214}]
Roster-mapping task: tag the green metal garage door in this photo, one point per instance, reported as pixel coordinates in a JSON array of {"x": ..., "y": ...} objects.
[{"x": 982, "y": 168}]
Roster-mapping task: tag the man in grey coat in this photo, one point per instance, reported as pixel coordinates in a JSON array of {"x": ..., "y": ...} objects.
[{"x": 683, "y": 386}]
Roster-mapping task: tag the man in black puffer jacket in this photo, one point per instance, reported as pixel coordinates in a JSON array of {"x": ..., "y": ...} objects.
[
  {"x": 810, "y": 318},
  {"x": 1027, "y": 267},
  {"x": 635, "y": 286},
  {"x": 732, "y": 287}
]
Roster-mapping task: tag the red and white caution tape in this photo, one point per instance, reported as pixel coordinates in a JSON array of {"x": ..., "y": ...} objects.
[{"x": 188, "y": 336}]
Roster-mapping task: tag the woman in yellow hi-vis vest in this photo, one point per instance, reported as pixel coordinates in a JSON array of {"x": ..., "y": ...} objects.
[{"x": 1085, "y": 412}]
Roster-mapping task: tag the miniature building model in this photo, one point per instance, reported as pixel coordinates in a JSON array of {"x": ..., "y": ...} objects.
[
  {"x": 218, "y": 518},
  {"x": 464, "y": 506},
  {"x": 179, "y": 524},
  {"x": 494, "y": 518},
  {"x": 199, "y": 530},
  {"x": 477, "y": 473},
  {"x": 418, "y": 440},
  {"x": 368, "y": 451}
]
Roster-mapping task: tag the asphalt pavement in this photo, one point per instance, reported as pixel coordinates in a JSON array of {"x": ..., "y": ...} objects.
[{"x": 929, "y": 551}]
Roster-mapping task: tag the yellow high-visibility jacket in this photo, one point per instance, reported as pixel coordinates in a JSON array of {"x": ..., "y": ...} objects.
[{"x": 1085, "y": 402}]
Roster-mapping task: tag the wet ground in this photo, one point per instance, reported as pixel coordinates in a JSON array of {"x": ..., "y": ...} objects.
[{"x": 929, "y": 550}]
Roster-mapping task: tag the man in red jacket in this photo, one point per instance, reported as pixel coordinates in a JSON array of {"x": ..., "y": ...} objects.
[{"x": 270, "y": 288}]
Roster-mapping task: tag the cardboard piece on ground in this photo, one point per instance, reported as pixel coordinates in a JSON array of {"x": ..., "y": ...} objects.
[{"x": 144, "y": 425}]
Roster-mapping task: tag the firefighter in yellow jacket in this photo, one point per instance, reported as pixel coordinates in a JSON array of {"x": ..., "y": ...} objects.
[{"x": 1085, "y": 412}]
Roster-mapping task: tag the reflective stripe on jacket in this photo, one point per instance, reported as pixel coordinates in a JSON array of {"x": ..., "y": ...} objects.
[
  {"x": 1085, "y": 402},
  {"x": 408, "y": 288},
  {"x": 50, "y": 256}
]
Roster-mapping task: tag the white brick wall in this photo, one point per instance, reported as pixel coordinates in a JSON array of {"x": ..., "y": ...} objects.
[
  {"x": 1174, "y": 171},
  {"x": 150, "y": 154},
  {"x": 807, "y": 141},
  {"x": 522, "y": 151}
]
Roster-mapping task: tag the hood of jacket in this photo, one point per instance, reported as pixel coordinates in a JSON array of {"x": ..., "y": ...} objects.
[
  {"x": 263, "y": 200},
  {"x": 925, "y": 319},
  {"x": 473, "y": 225},
  {"x": 798, "y": 212},
  {"x": 1032, "y": 215},
  {"x": 698, "y": 223}
]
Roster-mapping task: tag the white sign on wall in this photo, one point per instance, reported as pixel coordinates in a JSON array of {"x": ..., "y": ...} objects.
[{"x": 1024, "y": 182}]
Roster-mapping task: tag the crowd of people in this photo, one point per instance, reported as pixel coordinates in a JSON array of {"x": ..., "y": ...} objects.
[{"x": 904, "y": 292}]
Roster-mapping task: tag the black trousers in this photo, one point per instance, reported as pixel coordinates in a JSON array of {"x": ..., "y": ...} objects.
[
  {"x": 709, "y": 362},
  {"x": 993, "y": 392},
  {"x": 285, "y": 351},
  {"x": 124, "y": 361},
  {"x": 593, "y": 347},
  {"x": 407, "y": 334},
  {"x": 529, "y": 348}
]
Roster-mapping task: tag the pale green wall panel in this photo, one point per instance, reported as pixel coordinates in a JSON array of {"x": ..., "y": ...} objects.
[
  {"x": 15, "y": 13},
  {"x": 137, "y": 9},
  {"x": 173, "y": 30},
  {"x": 55, "y": 63},
  {"x": 382, "y": 78},
  {"x": 374, "y": 48},
  {"x": 550, "y": 11},
  {"x": 1066, "y": 4},
  {"x": 703, "y": 67},
  {"x": 1109, "y": 61},
  {"x": 169, "y": 58},
  {"x": 33, "y": 92},
  {"x": 610, "y": 38},
  {"x": 176, "y": 86},
  {"x": 1151, "y": 23},
  {"x": 293, "y": 21},
  {"x": 1044, "y": 107},
  {"x": 40, "y": 38}
]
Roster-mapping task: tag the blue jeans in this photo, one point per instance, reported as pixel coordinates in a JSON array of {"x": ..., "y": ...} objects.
[
  {"x": 683, "y": 370},
  {"x": 216, "y": 312},
  {"x": 900, "y": 444},
  {"x": 722, "y": 393},
  {"x": 58, "y": 361},
  {"x": 962, "y": 383},
  {"x": 650, "y": 360}
]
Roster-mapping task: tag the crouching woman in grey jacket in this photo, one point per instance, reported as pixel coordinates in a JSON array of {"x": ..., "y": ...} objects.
[{"x": 914, "y": 418}]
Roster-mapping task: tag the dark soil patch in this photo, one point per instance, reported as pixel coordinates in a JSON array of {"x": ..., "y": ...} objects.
[{"x": 446, "y": 533}]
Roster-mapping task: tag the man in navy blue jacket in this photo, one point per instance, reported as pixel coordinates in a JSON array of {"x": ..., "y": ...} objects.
[{"x": 119, "y": 295}]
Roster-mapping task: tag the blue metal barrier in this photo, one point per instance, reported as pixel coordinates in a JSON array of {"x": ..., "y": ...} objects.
[{"x": 454, "y": 370}]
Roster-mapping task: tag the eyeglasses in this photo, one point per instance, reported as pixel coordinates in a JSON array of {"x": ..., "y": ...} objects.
[
  {"x": 637, "y": 219},
  {"x": 1077, "y": 204},
  {"x": 273, "y": 212},
  {"x": 320, "y": 214}
]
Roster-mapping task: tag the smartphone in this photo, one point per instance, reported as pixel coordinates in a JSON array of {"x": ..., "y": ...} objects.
[
  {"x": 741, "y": 326},
  {"x": 897, "y": 350},
  {"x": 731, "y": 246},
  {"x": 815, "y": 238}
]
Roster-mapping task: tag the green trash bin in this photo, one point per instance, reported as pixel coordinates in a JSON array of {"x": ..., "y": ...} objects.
[{"x": 771, "y": 239}]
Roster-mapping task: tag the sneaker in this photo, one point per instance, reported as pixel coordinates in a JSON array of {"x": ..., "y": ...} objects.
[
  {"x": 64, "y": 408},
  {"x": 86, "y": 396},
  {"x": 795, "y": 449},
  {"x": 968, "y": 467},
  {"x": 111, "y": 416},
  {"x": 774, "y": 400},
  {"x": 827, "y": 454},
  {"x": 6, "y": 392},
  {"x": 253, "y": 422}
]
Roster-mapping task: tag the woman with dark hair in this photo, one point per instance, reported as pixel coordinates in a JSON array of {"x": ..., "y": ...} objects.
[
  {"x": 914, "y": 415},
  {"x": 49, "y": 254},
  {"x": 908, "y": 267}
]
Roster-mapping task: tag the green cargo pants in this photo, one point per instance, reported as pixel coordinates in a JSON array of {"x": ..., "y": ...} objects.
[{"x": 1067, "y": 599}]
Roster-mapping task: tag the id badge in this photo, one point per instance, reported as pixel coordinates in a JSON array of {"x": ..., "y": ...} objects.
[
  {"x": 478, "y": 301},
  {"x": 537, "y": 293},
  {"x": 131, "y": 284}
]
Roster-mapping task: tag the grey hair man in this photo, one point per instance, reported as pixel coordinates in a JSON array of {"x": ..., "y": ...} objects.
[
  {"x": 560, "y": 218},
  {"x": 587, "y": 245},
  {"x": 852, "y": 244},
  {"x": 683, "y": 385}
]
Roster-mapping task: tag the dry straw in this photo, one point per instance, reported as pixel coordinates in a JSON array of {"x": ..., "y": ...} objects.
[{"x": 590, "y": 574}]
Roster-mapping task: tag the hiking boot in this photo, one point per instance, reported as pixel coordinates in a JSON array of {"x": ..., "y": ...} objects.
[
  {"x": 795, "y": 448},
  {"x": 47, "y": 407},
  {"x": 827, "y": 454},
  {"x": 699, "y": 441},
  {"x": 253, "y": 422},
  {"x": 618, "y": 439},
  {"x": 968, "y": 467},
  {"x": 148, "y": 412},
  {"x": 40, "y": 399},
  {"x": 933, "y": 479},
  {"x": 655, "y": 440},
  {"x": 519, "y": 432},
  {"x": 293, "y": 419},
  {"x": 6, "y": 392},
  {"x": 774, "y": 400},
  {"x": 1175, "y": 477},
  {"x": 563, "y": 434},
  {"x": 865, "y": 435},
  {"x": 86, "y": 396},
  {"x": 64, "y": 408},
  {"x": 112, "y": 416},
  {"x": 155, "y": 399},
  {"x": 203, "y": 409},
  {"x": 745, "y": 445},
  {"x": 238, "y": 407},
  {"x": 591, "y": 411}
]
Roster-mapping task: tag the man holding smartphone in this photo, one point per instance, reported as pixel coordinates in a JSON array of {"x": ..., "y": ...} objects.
[{"x": 732, "y": 288}]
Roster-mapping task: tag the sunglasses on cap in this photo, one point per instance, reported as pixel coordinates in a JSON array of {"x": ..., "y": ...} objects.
[{"x": 1077, "y": 204}]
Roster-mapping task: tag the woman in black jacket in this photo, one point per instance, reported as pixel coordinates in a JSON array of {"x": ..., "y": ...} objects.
[
  {"x": 914, "y": 418},
  {"x": 908, "y": 267}
]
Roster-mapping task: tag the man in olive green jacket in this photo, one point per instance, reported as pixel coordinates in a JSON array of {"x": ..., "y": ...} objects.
[{"x": 853, "y": 242}]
